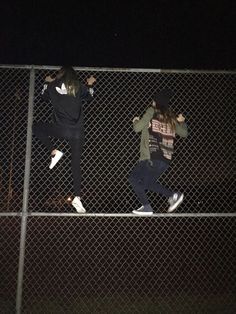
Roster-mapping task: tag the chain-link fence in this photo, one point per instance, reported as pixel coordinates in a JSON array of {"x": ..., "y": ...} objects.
[{"x": 108, "y": 261}]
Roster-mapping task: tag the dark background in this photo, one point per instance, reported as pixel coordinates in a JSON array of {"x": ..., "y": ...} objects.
[
  {"x": 183, "y": 264},
  {"x": 157, "y": 34}
]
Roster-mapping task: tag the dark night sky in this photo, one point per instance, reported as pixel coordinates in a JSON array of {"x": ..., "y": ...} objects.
[{"x": 180, "y": 34}]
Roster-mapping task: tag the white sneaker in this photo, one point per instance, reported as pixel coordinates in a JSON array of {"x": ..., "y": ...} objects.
[
  {"x": 78, "y": 205},
  {"x": 175, "y": 201},
  {"x": 55, "y": 159}
]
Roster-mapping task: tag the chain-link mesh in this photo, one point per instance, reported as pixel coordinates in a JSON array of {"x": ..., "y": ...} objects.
[
  {"x": 115, "y": 264},
  {"x": 130, "y": 265},
  {"x": 202, "y": 166},
  {"x": 9, "y": 252},
  {"x": 203, "y": 163},
  {"x": 14, "y": 90}
]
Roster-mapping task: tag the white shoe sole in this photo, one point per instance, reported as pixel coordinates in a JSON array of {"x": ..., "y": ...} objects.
[
  {"x": 141, "y": 213},
  {"x": 176, "y": 204},
  {"x": 55, "y": 159}
]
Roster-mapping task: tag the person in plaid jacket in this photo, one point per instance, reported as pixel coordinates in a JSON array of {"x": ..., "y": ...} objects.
[{"x": 159, "y": 127}]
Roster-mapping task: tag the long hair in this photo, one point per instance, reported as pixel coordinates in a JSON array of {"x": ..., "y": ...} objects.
[
  {"x": 166, "y": 115},
  {"x": 69, "y": 78}
]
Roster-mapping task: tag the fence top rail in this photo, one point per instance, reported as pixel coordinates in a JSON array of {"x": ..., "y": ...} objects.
[
  {"x": 138, "y": 216},
  {"x": 42, "y": 214},
  {"x": 104, "y": 69}
]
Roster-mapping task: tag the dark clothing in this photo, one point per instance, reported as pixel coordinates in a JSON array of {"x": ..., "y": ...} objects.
[
  {"x": 156, "y": 150},
  {"x": 67, "y": 123},
  {"x": 43, "y": 130},
  {"x": 144, "y": 177},
  {"x": 68, "y": 111}
]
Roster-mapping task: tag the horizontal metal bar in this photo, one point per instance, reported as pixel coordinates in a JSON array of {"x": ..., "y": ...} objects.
[
  {"x": 184, "y": 71},
  {"x": 132, "y": 215},
  {"x": 15, "y": 66},
  {"x": 19, "y": 214},
  {"x": 191, "y": 71},
  {"x": 41, "y": 214}
]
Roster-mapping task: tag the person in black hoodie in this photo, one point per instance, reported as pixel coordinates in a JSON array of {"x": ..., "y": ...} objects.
[{"x": 66, "y": 94}]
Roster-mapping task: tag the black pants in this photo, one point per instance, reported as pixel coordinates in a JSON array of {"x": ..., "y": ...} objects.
[
  {"x": 144, "y": 178},
  {"x": 45, "y": 130}
]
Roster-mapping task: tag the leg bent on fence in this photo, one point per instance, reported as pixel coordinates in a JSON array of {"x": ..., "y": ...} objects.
[{"x": 43, "y": 131}]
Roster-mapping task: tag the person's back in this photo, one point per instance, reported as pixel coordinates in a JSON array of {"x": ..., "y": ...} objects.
[
  {"x": 66, "y": 94},
  {"x": 161, "y": 138},
  {"x": 158, "y": 128}
]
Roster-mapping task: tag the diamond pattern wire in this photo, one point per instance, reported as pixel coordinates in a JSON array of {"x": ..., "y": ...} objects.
[
  {"x": 130, "y": 265},
  {"x": 9, "y": 252},
  {"x": 14, "y": 90},
  {"x": 121, "y": 264},
  {"x": 202, "y": 165}
]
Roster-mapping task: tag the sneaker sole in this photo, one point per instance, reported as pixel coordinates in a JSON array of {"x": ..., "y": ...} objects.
[
  {"x": 142, "y": 213},
  {"x": 52, "y": 166},
  {"x": 79, "y": 209},
  {"x": 172, "y": 208}
]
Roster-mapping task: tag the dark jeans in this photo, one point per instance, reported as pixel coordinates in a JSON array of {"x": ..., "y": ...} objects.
[
  {"x": 143, "y": 177},
  {"x": 45, "y": 130}
]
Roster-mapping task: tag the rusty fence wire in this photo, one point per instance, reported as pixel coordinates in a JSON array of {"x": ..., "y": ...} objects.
[{"x": 108, "y": 261}]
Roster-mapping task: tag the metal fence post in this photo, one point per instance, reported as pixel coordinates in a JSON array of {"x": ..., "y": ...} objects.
[{"x": 25, "y": 193}]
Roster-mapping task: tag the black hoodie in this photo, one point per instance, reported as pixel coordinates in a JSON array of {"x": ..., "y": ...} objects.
[{"x": 68, "y": 111}]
